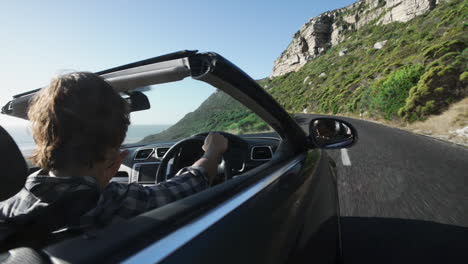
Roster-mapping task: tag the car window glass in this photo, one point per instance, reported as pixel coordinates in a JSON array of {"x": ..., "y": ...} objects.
[{"x": 179, "y": 110}]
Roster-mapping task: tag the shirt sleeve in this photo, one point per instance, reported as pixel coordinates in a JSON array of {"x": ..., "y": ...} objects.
[{"x": 128, "y": 200}]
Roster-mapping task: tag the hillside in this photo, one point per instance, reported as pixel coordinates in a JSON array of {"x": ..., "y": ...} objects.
[
  {"x": 218, "y": 112},
  {"x": 328, "y": 29},
  {"x": 399, "y": 70},
  {"x": 370, "y": 59}
]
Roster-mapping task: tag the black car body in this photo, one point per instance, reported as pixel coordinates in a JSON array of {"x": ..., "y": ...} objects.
[{"x": 283, "y": 209}]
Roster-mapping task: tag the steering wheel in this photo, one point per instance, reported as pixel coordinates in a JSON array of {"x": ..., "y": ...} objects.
[{"x": 181, "y": 147}]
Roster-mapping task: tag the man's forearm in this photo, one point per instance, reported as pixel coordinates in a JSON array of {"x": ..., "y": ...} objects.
[{"x": 209, "y": 162}]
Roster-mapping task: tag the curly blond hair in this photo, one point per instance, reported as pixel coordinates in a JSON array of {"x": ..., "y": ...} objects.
[{"x": 76, "y": 120}]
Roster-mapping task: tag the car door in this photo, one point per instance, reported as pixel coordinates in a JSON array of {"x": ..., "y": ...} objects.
[{"x": 267, "y": 225}]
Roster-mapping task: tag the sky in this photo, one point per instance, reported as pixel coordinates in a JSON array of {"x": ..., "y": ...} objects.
[{"x": 40, "y": 39}]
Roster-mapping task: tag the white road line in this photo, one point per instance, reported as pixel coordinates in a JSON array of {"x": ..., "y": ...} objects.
[{"x": 345, "y": 157}]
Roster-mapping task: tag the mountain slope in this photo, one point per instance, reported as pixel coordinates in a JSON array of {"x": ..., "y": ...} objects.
[
  {"x": 320, "y": 33},
  {"x": 399, "y": 70},
  {"x": 218, "y": 112}
]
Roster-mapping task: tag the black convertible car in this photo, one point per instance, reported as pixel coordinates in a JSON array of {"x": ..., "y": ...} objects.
[{"x": 277, "y": 201}]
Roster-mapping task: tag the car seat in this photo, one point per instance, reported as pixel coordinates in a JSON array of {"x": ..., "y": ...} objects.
[
  {"x": 35, "y": 229},
  {"x": 13, "y": 167}
]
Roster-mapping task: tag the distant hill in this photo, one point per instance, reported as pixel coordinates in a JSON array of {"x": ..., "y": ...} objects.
[{"x": 219, "y": 112}]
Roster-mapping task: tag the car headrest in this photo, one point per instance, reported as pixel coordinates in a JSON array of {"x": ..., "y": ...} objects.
[{"x": 13, "y": 168}]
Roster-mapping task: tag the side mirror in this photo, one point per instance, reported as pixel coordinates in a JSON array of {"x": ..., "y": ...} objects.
[{"x": 331, "y": 133}]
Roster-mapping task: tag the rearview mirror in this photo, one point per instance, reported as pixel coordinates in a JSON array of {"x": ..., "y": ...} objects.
[
  {"x": 138, "y": 101},
  {"x": 331, "y": 133}
]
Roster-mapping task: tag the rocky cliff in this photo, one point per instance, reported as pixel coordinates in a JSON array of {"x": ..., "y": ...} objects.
[{"x": 328, "y": 29}]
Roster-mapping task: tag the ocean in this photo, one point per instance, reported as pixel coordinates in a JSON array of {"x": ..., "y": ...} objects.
[
  {"x": 136, "y": 133},
  {"x": 23, "y": 135}
]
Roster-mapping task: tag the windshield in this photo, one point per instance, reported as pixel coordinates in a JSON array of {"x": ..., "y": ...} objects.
[{"x": 179, "y": 110}]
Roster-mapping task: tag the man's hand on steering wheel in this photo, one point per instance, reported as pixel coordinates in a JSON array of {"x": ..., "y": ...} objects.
[{"x": 214, "y": 146}]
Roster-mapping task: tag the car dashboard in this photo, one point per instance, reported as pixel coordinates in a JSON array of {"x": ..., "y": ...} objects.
[{"x": 142, "y": 162}]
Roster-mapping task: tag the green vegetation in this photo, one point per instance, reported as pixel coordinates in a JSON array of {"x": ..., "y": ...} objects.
[{"x": 420, "y": 71}]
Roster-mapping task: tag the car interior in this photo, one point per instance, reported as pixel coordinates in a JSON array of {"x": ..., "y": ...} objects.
[{"x": 243, "y": 154}]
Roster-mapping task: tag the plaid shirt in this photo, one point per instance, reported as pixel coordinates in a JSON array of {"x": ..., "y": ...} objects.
[{"x": 116, "y": 200}]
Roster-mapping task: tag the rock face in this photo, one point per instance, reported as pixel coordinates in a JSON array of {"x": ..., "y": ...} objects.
[{"x": 322, "y": 32}]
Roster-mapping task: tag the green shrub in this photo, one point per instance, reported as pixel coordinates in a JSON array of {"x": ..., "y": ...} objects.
[
  {"x": 251, "y": 123},
  {"x": 430, "y": 95},
  {"x": 392, "y": 91},
  {"x": 464, "y": 77},
  {"x": 436, "y": 51},
  {"x": 260, "y": 126}
]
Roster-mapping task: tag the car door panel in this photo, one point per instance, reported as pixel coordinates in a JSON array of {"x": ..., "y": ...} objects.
[
  {"x": 267, "y": 227},
  {"x": 319, "y": 236},
  {"x": 249, "y": 233}
]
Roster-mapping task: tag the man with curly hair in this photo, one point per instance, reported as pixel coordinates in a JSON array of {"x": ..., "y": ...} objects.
[{"x": 79, "y": 122}]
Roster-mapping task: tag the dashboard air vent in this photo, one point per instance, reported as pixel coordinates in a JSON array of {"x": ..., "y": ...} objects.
[
  {"x": 144, "y": 154},
  {"x": 160, "y": 152},
  {"x": 261, "y": 153}
]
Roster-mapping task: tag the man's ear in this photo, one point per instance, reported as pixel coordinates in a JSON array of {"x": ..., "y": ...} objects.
[
  {"x": 119, "y": 159},
  {"x": 123, "y": 155},
  {"x": 112, "y": 170}
]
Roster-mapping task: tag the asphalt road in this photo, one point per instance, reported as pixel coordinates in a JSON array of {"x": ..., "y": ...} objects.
[{"x": 403, "y": 197}]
